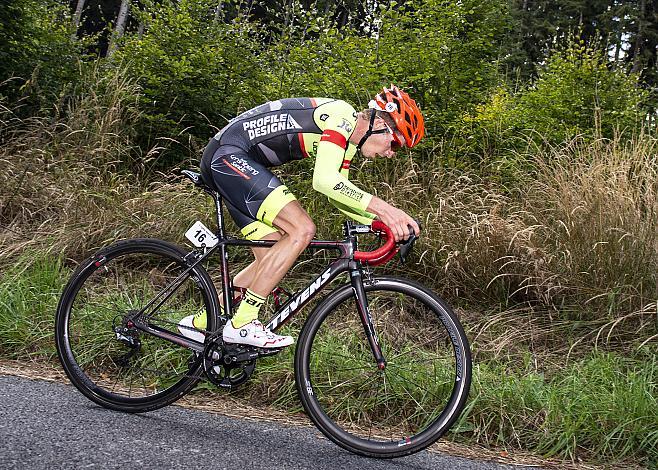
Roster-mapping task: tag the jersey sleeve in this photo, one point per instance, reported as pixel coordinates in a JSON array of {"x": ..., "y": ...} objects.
[
  {"x": 362, "y": 217},
  {"x": 337, "y": 120}
]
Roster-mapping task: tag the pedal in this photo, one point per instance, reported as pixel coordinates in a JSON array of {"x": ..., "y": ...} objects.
[
  {"x": 262, "y": 352},
  {"x": 236, "y": 354}
]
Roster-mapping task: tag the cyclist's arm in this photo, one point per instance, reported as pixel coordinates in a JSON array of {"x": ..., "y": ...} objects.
[
  {"x": 330, "y": 158},
  {"x": 357, "y": 215},
  {"x": 328, "y": 181}
]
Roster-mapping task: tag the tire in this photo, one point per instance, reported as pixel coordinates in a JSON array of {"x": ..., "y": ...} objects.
[
  {"x": 414, "y": 400},
  {"x": 152, "y": 372}
]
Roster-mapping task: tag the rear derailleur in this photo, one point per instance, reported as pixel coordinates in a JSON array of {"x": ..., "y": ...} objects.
[{"x": 126, "y": 333}]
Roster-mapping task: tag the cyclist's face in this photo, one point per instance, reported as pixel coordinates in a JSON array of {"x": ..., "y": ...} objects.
[{"x": 385, "y": 144}]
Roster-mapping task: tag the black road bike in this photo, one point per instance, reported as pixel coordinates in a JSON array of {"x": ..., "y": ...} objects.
[{"x": 382, "y": 365}]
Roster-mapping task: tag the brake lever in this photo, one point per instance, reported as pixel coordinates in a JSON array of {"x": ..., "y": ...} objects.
[{"x": 407, "y": 245}]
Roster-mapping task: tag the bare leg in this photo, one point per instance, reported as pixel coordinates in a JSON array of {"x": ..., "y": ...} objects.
[
  {"x": 273, "y": 263},
  {"x": 245, "y": 277}
]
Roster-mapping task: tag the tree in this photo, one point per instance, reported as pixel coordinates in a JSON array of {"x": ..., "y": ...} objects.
[
  {"x": 120, "y": 26},
  {"x": 628, "y": 28},
  {"x": 78, "y": 13}
]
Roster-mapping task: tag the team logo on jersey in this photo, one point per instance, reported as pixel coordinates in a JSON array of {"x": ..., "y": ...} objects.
[
  {"x": 324, "y": 117},
  {"x": 345, "y": 124},
  {"x": 241, "y": 166},
  {"x": 270, "y": 124},
  {"x": 349, "y": 192}
]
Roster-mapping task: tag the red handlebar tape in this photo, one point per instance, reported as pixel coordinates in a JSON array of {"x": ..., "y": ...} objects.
[{"x": 386, "y": 249}]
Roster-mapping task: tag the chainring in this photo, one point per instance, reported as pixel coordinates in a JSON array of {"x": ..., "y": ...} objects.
[{"x": 220, "y": 369}]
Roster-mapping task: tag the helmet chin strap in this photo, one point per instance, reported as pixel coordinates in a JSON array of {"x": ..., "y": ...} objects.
[{"x": 370, "y": 132}]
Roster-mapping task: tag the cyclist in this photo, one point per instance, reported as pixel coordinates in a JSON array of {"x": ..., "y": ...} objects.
[{"x": 236, "y": 163}]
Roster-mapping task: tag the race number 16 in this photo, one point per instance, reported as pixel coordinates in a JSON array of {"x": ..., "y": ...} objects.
[{"x": 200, "y": 235}]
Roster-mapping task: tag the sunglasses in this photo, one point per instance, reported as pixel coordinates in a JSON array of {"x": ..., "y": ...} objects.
[{"x": 396, "y": 143}]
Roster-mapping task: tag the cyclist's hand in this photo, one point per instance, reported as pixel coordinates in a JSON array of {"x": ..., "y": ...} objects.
[{"x": 398, "y": 221}]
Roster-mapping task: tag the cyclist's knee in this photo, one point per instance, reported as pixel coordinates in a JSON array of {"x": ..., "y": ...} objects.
[
  {"x": 304, "y": 231},
  {"x": 294, "y": 221}
]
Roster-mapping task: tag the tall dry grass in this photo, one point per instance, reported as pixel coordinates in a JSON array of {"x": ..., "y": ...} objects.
[
  {"x": 72, "y": 183},
  {"x": 569, "y": 256}
]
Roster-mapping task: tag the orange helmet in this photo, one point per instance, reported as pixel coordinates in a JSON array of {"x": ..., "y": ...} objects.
[{"x": 404, "y": 111}]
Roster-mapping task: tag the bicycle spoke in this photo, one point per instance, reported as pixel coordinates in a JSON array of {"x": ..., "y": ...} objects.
[
  {"x": 103, "y": 308},
  {"x": 351, "y": 392},
  {"x": 372, "y": 366},
  {"x": 422, "y": 388}
]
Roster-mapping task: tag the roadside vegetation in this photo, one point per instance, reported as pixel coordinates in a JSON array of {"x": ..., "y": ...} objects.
[{"x": 539, "y": 200}]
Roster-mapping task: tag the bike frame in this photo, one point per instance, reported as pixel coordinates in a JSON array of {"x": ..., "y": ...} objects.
[{"x": 349, "y": 260}]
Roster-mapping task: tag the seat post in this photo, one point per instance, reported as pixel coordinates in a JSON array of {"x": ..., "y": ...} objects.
[
  {"x": 227, "y": 282},
  {"x": 219, "y": 213}
]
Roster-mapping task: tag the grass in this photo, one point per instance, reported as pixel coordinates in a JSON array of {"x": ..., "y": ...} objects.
[
  {"x": 29, "y": 292},
  {"x": 602, "y": 406}
]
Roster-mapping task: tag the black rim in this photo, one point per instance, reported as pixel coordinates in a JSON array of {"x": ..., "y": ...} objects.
[
  {"x": 137, "y": 369},
  {"x": 408, "y": 405}
]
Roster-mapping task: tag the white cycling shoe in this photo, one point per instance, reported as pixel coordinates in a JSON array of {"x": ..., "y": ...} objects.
[
  {"x": 186, "y": 328},
  {"x": 255, "y": 334}
]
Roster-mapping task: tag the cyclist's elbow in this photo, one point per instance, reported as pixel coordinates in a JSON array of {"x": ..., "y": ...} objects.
[{"x": 321, "y": 185}]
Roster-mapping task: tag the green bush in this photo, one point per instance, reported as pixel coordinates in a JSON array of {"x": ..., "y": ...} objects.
[
  {"x": 195, "y": 75},
  {"x": 39, "y": 54},
  {"x": 575, "y": 95}
]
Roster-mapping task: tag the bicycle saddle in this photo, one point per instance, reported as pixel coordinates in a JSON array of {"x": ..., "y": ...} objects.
[{"x": 197, "y": 179}]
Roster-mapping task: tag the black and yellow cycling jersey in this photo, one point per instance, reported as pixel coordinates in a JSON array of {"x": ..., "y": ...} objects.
[{"x": 237, "y": 159}]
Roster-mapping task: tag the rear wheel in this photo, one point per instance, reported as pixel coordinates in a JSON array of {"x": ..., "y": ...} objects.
[
  {"x": 104, "y": 355},
  {"x": 406, "y": 406}
]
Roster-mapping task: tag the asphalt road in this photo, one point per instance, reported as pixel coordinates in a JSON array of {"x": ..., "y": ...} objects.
[{"x": 51, "y": 425}]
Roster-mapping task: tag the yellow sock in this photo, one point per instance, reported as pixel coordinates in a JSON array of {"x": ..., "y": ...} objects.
[
  {"x": 200, "y": 320},
  {"x": 248, "y": 309}
]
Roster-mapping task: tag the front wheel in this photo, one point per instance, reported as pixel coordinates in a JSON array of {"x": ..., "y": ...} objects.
[{"x": 406, "y": 406}]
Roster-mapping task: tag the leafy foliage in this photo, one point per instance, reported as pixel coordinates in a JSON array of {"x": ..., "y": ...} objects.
[
  {"x": 195, "y": 74},
  {"x": 38, "y": 56},
  {"x": 575, "y": 94}
]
